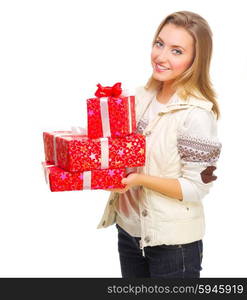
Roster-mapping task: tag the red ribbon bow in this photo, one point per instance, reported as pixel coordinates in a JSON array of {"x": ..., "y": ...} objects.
[{"x": 107, "y": 91}]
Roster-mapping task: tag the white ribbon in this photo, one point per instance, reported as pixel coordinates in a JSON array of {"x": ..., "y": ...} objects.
[
  {"x": 127, "y": 93},
  {"x": 86, "y": 175},
  {"x": 130, "y": 117},
  {"x": 79, "y": 130},
  {"x": 46, "y": 169},
  {"x": 104, "y": 146},
  {"x": 54, "y": 146},
  {"x": 105, "y": 117}
]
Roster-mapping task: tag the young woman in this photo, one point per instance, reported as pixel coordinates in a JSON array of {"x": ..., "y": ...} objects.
[{"x": 159, "y": 215}]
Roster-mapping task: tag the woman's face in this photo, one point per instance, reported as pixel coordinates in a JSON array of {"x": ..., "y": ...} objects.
[{"x": 172, "y": 53}]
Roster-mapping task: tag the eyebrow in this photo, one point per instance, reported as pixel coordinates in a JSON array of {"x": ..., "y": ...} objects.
[{"x": 171, "y": 45}]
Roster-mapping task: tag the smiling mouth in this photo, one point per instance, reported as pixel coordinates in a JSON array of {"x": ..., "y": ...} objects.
[{"x": 160, "y": 68}]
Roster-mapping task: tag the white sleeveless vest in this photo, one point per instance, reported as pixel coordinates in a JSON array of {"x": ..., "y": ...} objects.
[{"x": 164, "y": 220}]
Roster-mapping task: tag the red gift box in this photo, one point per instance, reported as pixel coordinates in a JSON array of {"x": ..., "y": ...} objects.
[
  {"x": 79, "y": 153},
  {"x": 50, "y": 142},
  {"x": 60, "y": 180},
  {"x": 111, "y": 114}
]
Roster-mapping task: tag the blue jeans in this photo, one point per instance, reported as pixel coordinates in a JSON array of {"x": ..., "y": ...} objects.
[{"x": 163, "y": 261}]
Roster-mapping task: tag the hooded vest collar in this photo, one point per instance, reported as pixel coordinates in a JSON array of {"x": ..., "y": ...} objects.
[{"x": 176, "y": 103}]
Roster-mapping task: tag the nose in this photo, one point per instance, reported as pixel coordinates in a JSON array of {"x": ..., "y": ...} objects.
[{"x": 163, "y": 55}]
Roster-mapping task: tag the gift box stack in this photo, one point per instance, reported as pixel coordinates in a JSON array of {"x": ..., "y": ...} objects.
[{"x": 100, "y": 158}]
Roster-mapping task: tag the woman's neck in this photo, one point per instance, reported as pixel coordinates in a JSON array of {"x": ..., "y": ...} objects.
[{"x": 165, "y": 94}]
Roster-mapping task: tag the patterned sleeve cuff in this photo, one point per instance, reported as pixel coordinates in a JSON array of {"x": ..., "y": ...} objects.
[{"x": 198, "y": 150}]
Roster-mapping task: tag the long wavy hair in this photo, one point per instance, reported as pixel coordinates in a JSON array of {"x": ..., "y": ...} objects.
[{"x": 195, "y": 81}]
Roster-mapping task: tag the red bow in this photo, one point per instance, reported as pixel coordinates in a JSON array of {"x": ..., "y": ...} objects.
[{"x": 107, "y": 91}]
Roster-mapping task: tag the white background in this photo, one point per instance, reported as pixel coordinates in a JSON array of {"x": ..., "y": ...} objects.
[{"x": 53, "y": 53}]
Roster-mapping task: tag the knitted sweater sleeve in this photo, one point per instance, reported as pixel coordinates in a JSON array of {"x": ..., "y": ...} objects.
[{"x": 199, "y": 150}]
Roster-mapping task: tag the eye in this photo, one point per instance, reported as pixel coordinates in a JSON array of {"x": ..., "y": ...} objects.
[
  {"x": 178, "y": 51},
  {"x": 158, "y": 43}
]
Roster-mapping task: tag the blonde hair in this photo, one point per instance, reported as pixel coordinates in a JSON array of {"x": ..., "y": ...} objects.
[{"x": 195, "y": 81}]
